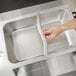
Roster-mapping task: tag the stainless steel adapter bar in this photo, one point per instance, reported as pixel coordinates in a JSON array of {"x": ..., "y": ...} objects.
[{"x": 42, "y": 36}]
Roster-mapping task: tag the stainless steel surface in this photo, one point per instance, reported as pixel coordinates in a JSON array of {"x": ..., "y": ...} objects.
[
  {"x": 17, "y": 4},
  {"x": 24, "y": 41},
  {"x": 73, "y": 73},
  {"x": 23, "y": 11},
  {"x": 57, "y": 66},
  {"x": 49, "y": 18},
  {"x": 65, "y": 41},
  {"x": 61, "y": 41},
  {"x": 7, "y": 73},
  {"x": 35, "y": 69},
  {"x": 13, "y": 26},
  {"x": 42, "y": 36},
  {"x": 62, "y": 64}
]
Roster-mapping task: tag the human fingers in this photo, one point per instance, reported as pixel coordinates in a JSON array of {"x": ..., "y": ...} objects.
[{"x": 46, "y": 32}]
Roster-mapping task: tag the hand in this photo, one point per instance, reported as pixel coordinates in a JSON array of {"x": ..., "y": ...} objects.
[{"x": 53, "y": 32}]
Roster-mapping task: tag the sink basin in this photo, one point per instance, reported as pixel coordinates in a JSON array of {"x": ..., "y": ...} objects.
[{"x": 24, "y": 39}]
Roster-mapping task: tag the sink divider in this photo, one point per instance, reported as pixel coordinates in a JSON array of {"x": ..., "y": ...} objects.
[
  {"x": 45, "y": 45},
  {"x": 42, "y": 36}
]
